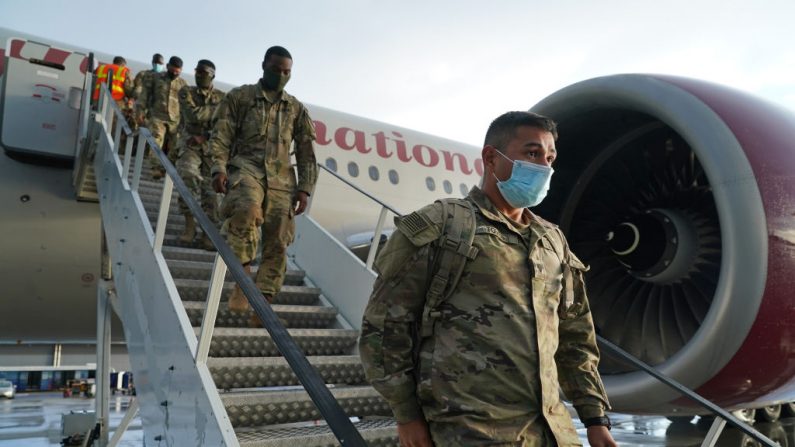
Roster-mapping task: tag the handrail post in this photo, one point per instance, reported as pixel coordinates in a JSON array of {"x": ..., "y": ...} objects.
[
  {"x": 125, "y": 170},
  {"x": 116, "y": 137},
  {"x": 211, "y": 309},
  {"x": 162, "y": 213},
  {"x": 139, "y": 161},
  {"x": 379, "y": 228},
  {"x": 714, "y": 431}
]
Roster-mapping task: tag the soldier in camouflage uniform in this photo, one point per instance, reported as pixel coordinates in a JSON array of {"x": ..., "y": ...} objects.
[
  {"x": 258, "y": 123},
  {"x": 159, "y": 102},
  {"x": 197, "y": 106},
  {"x": 484, "y": 366},
  {"x": 142, "y": 76}
]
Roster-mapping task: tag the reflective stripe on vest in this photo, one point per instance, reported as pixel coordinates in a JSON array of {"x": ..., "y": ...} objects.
[{"x": 117, "y": 82}]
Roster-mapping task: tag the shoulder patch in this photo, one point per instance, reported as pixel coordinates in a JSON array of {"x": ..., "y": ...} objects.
[{"x": 413, "y": 224}]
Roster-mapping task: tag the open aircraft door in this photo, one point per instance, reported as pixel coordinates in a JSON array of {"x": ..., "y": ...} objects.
[{"x": 42, "y": 87}]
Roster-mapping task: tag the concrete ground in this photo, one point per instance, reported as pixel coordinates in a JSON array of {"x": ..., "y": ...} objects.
[{"x": 34, "y": 420}]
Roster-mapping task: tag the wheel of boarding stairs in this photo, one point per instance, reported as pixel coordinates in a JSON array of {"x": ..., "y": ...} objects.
[
  {"x": 747, "y": 415},
  {"x": 768, "y": 414}
]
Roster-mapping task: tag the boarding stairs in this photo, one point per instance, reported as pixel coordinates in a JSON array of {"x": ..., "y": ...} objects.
[{"x": 202, "y": 376}]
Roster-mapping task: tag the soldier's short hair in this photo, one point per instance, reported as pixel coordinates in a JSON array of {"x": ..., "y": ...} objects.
[
  {"x": 118, "y": 60},
  {"x": 503, "y": 129},
  {"x": 157, "y": 58},
  {"x": 175, "y": 61},
  {"x": 205, "y": 63},
  {"x": 276, "y": 51}
]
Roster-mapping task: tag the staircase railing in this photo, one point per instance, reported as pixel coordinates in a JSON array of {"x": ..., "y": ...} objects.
[{"x": 328, "y": 407}]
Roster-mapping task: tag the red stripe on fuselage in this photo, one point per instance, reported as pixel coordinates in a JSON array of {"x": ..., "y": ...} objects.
[
  {"x": 56, "y": 56},
  {"x": 16, "y": 49},
  {"x": 2, "y": 60}
]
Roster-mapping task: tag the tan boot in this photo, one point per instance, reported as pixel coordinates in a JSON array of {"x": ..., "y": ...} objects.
[
  {"x": 237, "y": 301},
  {"x": 206, "y": 243},
  {"x": 189, "y": 233},
  {"x": 255, "y": 322}
]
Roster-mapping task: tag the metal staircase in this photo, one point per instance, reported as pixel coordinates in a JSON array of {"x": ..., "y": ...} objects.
[{"x": 203, "y": 376}]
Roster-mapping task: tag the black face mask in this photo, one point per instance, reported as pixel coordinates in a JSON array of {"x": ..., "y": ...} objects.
[{"x": 274, "y": 81}]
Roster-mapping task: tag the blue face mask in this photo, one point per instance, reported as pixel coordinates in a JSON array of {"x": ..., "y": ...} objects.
[
  {"x": 158, "y": 68},
  {"x": 528, "y": 184}
]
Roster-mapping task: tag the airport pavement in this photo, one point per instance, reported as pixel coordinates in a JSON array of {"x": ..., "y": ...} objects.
[{"x": 34, "y": 420}]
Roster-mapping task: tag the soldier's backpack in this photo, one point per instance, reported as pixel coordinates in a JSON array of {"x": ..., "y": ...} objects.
[{"x": 448, "y": 257}]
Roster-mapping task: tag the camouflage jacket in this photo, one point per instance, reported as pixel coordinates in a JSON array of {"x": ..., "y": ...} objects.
[
  {"x": 197, "y": 107},
  {"x": 140, "y": 81},
  {"x": 516, "y": 329},
  {"x": 159, "y": 97},
  {"x": 259, "y": 130}
]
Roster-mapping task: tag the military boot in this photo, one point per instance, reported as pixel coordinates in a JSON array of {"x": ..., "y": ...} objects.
[
  {"x": 206, "y": 243},
  {"x": 255, "y": 322},
  {"x": 237, "y": 301},
  {"x": 189, "y": 233}
]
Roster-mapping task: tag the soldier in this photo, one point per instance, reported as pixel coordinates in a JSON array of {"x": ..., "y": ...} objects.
[
  {"x": 159, "y": 102},
  {"x": 260, "y": 121},
  {"x": 483, "y": 365},
  {"x": 197, "y": 106},
  {"x": 141, "y": 78},
  {"x": 121, "y": 86}
]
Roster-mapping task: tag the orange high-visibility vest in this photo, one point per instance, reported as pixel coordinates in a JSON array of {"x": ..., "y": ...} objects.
[{"x": 117, "y": 83}]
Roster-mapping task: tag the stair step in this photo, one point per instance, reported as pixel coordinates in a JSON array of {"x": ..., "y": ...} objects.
[
  {"x": 237, "y": 342},
  {"x": 196, "y": 290},
  {"x": 317, "y": 317},
  {"x": 201, "y": 270},
  {"x": 253, "y": 409},
  {"x": 188, "y": 254},
  {"x": 257, "y": 372},
  {"x": 376, "y": 432}
]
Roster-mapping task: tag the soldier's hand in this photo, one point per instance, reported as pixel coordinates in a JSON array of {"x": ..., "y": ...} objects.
[
  {"x": 301, "y": 199},
  {"x": 219, "y": 183},
  {"x": 599, "y": 436},
  {"x": 414, "y": 434}
]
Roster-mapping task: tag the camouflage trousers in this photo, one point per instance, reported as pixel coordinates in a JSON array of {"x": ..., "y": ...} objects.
[
  {"x": 166, "y": 136},
  {"x": 249, "y": 206},
  {"x": 524, "y": 434},
  {"x": 194, "y": 168}
]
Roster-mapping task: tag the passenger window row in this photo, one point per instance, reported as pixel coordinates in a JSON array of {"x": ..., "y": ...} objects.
[{"x": 372, "y": 171}]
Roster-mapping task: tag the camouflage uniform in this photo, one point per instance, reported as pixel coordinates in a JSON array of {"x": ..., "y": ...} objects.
[
  {"x": 262, "y": 182},
  {"x": 517, "y": 327},
  {"x": 159, "y": 101},
  {"x": 197, "y": 107},
  {"x": 141, "y": 79}
]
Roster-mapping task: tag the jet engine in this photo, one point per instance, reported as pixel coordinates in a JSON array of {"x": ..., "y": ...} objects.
[{"x": 680, "y": 195}]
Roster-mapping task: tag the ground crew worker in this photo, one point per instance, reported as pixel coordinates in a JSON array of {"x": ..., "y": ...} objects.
[
  {"x": 159, "y": 103},
  {"x": 121, "y": 86},
  {"x": 484, "y": 365},
  {"x": 121, "y": 90},
  {"x": 258, "y": 122},
  {"x": 158, "y": 66},
  {"x": 197, "y": 106}
]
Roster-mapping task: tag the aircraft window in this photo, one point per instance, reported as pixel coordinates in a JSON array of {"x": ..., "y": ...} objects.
[
  {"x": 393, "y": 177},
  {"x": 430, "y": 183},
  {"x": 448, "y": 187},
  {"x": 373, "y": 171},
  {"x": 464, "y": 190},
  {"x": 353, "y": 169},
  {"x": 331, "y": 164}
]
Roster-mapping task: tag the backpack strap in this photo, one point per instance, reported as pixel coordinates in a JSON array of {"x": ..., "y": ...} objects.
[{"x": 448, "y": 257}]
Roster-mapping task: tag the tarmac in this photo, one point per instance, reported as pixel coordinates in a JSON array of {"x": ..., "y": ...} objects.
[{"x": 35, "y": 420}]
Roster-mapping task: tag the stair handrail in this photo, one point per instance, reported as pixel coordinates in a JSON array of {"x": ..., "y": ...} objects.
[
  {"x": 379, "y": 227},
  {"x": 327, "y": 405}
]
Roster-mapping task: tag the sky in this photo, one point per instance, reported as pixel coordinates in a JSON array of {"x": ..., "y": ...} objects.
[{"x": 442, "y": 67}]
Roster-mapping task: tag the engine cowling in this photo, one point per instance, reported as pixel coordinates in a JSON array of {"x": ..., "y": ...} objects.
[{"x": 680, "y": 194}]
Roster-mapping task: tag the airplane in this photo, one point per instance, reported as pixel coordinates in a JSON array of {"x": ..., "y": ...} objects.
[{"x": 679, "y": 193}]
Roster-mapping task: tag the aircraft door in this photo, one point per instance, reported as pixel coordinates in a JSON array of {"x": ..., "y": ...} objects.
[{"x": 41, "y": 98}]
